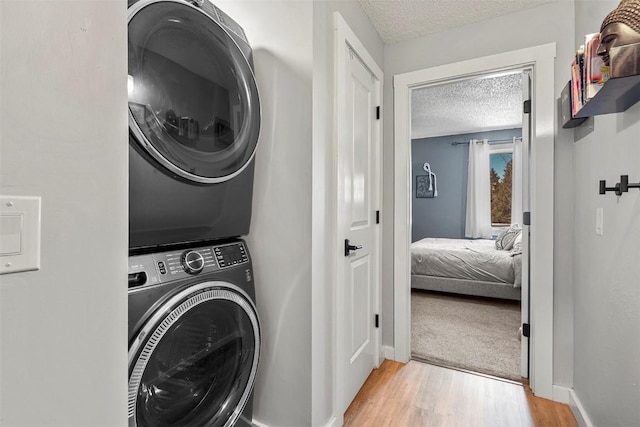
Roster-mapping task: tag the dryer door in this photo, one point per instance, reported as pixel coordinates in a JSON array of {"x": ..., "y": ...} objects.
[
  {"x": 195, "y": 360},
  {"x": 193, "y": 100}
]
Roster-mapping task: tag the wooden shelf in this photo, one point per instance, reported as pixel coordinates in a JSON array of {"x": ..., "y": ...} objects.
[{"x": 615, "y": 96}]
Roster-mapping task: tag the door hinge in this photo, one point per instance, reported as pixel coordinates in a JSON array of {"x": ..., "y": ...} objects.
[
  {"x": 378, "y": 112},
  {"x": 526, "y": 218},
  {"x": 377, "y": 217},
  {"x": 377, "y": 321},
  {"x": 525, "y": 330},
  {"x": 526, "y": 106}
]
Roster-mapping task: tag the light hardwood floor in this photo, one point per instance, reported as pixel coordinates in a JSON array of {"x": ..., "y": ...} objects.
[{"x": 417, "y": 394}]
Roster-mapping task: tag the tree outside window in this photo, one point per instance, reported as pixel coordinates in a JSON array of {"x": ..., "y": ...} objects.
[{"x": 500, "y": 179}]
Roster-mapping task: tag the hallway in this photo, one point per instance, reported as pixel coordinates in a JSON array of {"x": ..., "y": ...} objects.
[{"x": 418, "y": 394}]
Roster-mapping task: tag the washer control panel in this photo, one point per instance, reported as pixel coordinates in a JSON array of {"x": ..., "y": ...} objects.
[
  {"x": 180, "y": 263},
  {"x": 162, "y": 267},
  {"x": 230, "y": 255}
]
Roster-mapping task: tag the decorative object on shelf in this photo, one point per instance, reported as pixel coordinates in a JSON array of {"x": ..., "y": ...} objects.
[
  {"x": 426, "y": 185},
  {"x": 625, "y": 61},
  {"x": 605, "y": 73},
  {"x": 620, "y": 188},
  {"x": 621, "y": 27}
]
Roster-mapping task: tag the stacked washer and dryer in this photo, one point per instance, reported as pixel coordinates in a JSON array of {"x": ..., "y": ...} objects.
[{"x": 194, "y": 118}]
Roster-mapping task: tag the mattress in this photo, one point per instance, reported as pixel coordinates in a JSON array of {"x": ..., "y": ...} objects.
[{"x": 477, "y": 260}]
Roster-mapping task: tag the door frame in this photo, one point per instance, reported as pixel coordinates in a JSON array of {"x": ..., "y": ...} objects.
[
  {"x": 344, "y": 35},
  {"x": 541, "y": 59}
]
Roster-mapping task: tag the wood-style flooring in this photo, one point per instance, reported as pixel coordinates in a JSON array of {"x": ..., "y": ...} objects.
[{"x": 417, "y": 394}]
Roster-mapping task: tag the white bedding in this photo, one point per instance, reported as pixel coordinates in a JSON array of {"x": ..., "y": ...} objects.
[{"x": 465, "y": 259}]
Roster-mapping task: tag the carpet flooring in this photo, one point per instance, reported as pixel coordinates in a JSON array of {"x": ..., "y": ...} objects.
[{"x": 476, "y": 334}]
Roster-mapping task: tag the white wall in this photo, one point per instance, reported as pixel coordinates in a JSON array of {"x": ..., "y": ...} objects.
[
  {"x": 324, "y": 247},
  {"x": 549, "y": 23},
  {"x": 606, "y": 268},
  {"x": 280, "y": 33},
  {"x": 63, "y": 329}
]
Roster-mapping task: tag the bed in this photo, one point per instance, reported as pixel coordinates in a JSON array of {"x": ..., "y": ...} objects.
[{"x": 463, "y": 266}]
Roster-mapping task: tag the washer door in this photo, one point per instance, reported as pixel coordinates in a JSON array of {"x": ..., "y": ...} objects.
[
  {"x": 193, "y": 100},
  {"x": 195, "y": 360}
]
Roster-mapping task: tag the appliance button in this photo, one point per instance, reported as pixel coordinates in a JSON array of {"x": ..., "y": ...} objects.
[
  {"x": 192, "y": 262},
  {"x": 162, "y": 268}
]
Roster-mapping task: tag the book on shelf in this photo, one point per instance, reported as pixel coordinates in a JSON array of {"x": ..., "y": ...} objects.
[
  {"x": 580, "y": 63},
  {"x": 576, "y": 89},
  {"x": 594, "y": 75},
  {"x": 588, "y": 73}
]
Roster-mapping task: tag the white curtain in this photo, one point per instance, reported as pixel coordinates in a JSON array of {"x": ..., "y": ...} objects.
[
  {"x": 517, "y": 165},
  {"x": 478, "y": 221}
]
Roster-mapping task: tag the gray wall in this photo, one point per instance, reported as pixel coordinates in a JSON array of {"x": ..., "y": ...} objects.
[
  {"x": 280, "y": 32},
  {"x": 606, "y": 268},
  {"x": 64, "y": 136},
  {"x": 444, "y": 216},
  {"x": 553, "y": 22}
]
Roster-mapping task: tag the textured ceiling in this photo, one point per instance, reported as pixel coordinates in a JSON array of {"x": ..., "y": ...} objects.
[
  {"x": 397, "y": 20},
  {"x": 484, "y": 103}
]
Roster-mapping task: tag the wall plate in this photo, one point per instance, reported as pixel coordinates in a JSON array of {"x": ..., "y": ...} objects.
[{"x": 19, "y": 233}]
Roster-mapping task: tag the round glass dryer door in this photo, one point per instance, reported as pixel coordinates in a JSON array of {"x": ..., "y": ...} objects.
[
  {"x": 193, "y": 100},
  {"x": 194, "y": 363}
]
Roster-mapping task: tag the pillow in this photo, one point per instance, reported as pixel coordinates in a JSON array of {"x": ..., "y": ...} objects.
[
  {"x": 507, "y": 238},
  {"x": 517, "y": 245},
  {"x": 518, "y": 240}
]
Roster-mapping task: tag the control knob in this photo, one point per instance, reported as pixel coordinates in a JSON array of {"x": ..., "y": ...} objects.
[{"x": 192, "y": 262}]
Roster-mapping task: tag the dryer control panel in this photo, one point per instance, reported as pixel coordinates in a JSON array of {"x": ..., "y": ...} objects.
[{"x": 177, "y": 264}]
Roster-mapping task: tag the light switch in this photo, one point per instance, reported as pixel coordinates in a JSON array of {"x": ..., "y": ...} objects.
[
  {"x": 11, "y": 234},
  {"x": 599, "y": 222},
  {"x": 19, "y": 234}
]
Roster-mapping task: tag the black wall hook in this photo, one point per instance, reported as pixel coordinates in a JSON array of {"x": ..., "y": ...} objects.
[
  {"x": 604, "y": 188},
  {"x": 624, "y": 184}
]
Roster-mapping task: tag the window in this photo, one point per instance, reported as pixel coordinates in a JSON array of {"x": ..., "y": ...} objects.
[{"x": 500, "y": 161}]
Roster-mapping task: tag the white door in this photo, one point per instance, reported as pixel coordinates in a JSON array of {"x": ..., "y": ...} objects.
[
  {"x": 526, "y": 126},
  {"x": 358, "y": 184}
]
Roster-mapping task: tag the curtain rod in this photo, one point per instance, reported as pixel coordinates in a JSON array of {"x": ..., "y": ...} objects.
[{"x": 496, "y": 141}]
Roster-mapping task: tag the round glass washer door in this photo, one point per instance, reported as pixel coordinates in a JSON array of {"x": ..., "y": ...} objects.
[
  {"x": 193, "y": 100},
  {"x": 195, "y": 360}
]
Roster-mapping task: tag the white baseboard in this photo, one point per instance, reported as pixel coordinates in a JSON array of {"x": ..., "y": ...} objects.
[
  {"x": 388, "y": 352},
  {"x": 562, "y": 394},
  {"x": 333, "y": 422},
  {"x": 578, "y": 410}
]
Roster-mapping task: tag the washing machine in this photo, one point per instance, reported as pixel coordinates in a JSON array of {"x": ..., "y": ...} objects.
[
  {"x": 194, "y": 337},
  {"x": 194, "y": 121}
]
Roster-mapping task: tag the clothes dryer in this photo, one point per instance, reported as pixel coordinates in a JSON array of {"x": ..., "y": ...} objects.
[
  {"x": 194, "y": 337},
  {"x": 194, "y": 120}
]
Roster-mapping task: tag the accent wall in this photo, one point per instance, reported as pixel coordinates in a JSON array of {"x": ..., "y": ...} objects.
[{"x": 444, "y": 215}]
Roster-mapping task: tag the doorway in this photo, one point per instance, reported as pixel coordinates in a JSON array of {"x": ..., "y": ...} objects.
[
  {"x": 467, "y": 168},
  {"x": 541, "y": 61}
]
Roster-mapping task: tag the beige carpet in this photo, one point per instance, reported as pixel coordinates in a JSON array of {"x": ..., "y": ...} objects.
[{"x": 475, "y": 334}]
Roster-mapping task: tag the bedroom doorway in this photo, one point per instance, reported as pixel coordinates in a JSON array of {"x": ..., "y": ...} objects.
[
  {"x": 540, "y": 60},
  {"x": 468, "y": 167}
]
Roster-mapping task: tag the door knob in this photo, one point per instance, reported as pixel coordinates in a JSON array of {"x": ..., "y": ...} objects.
[{"x": 348, "y": 247}]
